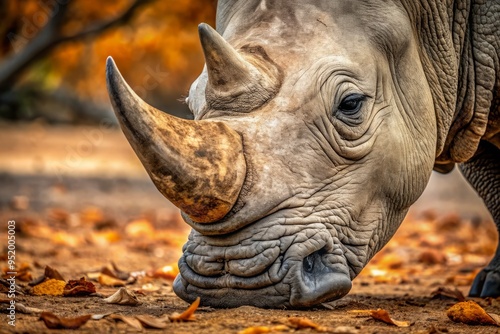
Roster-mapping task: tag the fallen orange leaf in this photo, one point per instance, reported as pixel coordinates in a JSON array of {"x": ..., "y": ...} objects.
[
  {"x": 187, "y": 315},
  {"x": 140, "y": 228},
  {"x": 302, "y": 323},
  {"x": 91, "y": 215},
  {"x": 264, "y": 329},
  {"x": 168, "y": 272},
  {"x": 380, "y": 315},
  {"x": 131, "y": 321},
  {"x": 383, "y": 315},
  {"x": 107, "y": 280},
  {"x": 470, "y": 313},
  {"x": 151, "y": 322},
  {"x": 66, "y": 239},
  {"x": 104, "y": 238},
  {"x": 391, "y": 261},
  {"x": 52, "y": 321},
  {"x": 255, "y": 330}
]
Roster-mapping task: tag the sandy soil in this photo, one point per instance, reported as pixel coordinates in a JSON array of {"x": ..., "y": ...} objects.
[{"x": 81, "y": 201}]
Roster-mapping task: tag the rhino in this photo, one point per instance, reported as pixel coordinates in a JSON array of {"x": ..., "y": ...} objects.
[{"x": 317, "y": 124}]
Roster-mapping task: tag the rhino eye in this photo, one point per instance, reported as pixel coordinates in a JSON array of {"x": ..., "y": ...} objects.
[{"x": 351, "y": 104}]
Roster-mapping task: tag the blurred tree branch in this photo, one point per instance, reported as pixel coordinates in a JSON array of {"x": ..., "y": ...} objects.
[{"x": 50, "y": 36}]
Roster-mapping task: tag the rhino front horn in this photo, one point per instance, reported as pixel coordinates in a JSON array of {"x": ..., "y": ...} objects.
[{"x": 198, "y": 165}]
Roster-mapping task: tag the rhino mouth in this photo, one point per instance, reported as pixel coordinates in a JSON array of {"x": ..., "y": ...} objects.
[{"x": 289, "y": 271}]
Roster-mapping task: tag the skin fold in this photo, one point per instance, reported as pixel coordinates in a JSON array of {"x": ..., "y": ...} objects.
[{"x": 333, "y": 115}]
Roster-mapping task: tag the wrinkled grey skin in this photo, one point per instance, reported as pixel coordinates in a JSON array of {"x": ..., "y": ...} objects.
[{"x": 325, "y": 188}]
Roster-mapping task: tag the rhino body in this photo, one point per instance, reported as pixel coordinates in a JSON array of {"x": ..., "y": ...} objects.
[{"x": 316, "y": 126}]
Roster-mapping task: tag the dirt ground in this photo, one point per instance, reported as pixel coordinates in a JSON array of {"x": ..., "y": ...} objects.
[{"x": 81, "y": 202}]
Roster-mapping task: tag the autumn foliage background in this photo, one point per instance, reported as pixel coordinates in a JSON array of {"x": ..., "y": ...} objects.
[{"x": 156, "y": 48}]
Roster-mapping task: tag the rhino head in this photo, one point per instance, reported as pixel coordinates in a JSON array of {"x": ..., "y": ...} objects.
[{"x": 314, "y": 131}]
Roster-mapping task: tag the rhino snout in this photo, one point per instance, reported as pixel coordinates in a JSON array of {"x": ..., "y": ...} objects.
[{"x": 270, "y": 273}]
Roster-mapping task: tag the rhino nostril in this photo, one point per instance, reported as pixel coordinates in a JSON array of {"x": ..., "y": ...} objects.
[
  {"x": 309, "y": 264},
  {"x": 321, "y": 279},
  {"x": 312, "y": 259}
]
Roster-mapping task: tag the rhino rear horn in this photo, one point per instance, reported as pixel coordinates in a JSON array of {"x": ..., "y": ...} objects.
[
  {"x": 225, "y": 66},
  {"x": 237, "y": 78},
  {"x": 198, "y": 165}
]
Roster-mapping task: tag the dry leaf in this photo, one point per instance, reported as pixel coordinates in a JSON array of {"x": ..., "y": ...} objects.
[
  {"x": 52, "y": 321},
  {"x": 383, "y": 315},
  {"x": 264, "y": 329},
  {"x": 280, "y": 328},
  {"x": 432, "y": 257},
  {"x": 131, "y": 321},
  {"x": 302, "y": 322},
  {"x": 57, "y": 215},
  {"x": 126, "y": 277},
  {"x": 448, "y": 293},
  {"x": 110, "y": 281},
  {"x": 123, "y": 275},
  {"x": 50, "y": 287},
  {"x": 392, "y": 261},
  {"x": 7, "y": 285},
  {"x": 79, "y": 287},
  {"x": 22, "y": 272},
  {"x": 91, "y": 215},
  {"x": 105, "y": 237},
  {"x": 140, "y": 228},
  {"x": 100, "y": 316},
  {"x": 93, "y": 276},
  {"x": 151, "y": 322},
  {"x": 149, "y": 287},
  {"x": 345, "y": 330},
  {"x": 109, "y": 272},
  {"x": 187, "y": 315},
  {"x": 122, "y": 297},
  {"x": 361, "y": 313},
  {"x": 495, "y": 317},
  {"x": 27, "y": 310},
  {"x": 470, "y": 313},
  {"x": 66, "y": 239},
  {"x": 168, "y": 272},
  {"x": 256, "y": 330},
  {"x": 53, "y": 273},
  {"x": 461, "y": 280},
  {"x": 37, "y": 280}
]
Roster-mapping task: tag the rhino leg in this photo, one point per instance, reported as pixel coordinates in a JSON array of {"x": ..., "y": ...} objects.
[{"x": 483, "y": 173}]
